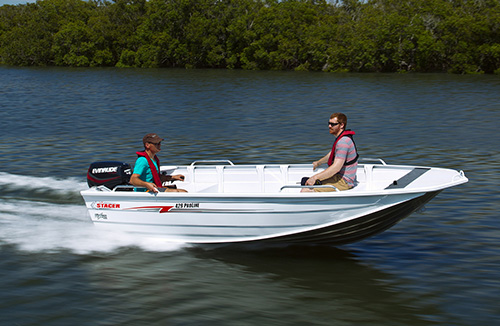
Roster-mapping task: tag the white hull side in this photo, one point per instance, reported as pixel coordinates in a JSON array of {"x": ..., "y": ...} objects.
[{"x": 215, "y": 220}]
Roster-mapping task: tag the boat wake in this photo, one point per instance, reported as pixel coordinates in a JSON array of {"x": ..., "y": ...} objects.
[{"x": 49, "y": 215}]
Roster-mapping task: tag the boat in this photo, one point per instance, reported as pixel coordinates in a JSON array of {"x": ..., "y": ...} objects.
[{"x": 229, "y": 203}]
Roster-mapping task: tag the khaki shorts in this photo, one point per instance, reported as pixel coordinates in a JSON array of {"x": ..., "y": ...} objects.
[{"x": 335, "y": 181}]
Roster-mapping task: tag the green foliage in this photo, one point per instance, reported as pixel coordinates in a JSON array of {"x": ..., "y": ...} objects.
[{"x": 459, "y": 36}]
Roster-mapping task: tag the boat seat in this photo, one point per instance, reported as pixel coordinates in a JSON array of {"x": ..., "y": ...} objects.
[
  {"x": 360, "y": 186},
  {"x": 199, "y": 187}
]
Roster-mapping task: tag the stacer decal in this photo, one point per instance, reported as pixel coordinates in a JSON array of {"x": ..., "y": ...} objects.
[{"x": 102, "y": 205}]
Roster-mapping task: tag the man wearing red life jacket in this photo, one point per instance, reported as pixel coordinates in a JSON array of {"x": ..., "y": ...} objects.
[
  {"x": 147, "y": 167},
  {"x": 342, "y": 159}
]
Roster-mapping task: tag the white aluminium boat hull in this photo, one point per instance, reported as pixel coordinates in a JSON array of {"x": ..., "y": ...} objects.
[
  {"x": 287, "y": 217},
  {"x": 209, "y": 219}
]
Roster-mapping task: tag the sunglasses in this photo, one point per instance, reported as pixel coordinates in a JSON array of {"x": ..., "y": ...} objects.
[
  {"x": 156, "y": 144},
  {"x": 333, "y": 124}
]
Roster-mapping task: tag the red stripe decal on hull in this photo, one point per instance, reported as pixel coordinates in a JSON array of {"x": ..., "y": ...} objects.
[{"x": 162, "y": 209}]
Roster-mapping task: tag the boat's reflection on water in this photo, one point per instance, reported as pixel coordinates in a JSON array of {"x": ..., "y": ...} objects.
[
  {"x": 333, "y": 281},
  {"x": 144, "y": 283},
  {"x": 294, "y": 285}
]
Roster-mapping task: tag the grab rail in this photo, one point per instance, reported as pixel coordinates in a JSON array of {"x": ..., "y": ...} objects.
[
  {"x": 373, "y": 159},
  {"x": 212, "y": 161},
  {"x": 300, "y": 186}
]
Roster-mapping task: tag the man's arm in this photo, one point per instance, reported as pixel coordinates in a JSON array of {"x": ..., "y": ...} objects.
[
  {"x": 136, "y": 181},
  {"x": 321, "y": 161},
  {"x": 165, "y": 177},
  {"x": 329, "y": 172}
]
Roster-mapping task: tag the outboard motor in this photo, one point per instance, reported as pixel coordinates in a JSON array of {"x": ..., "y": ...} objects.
[{"x": 109, "y": 174}]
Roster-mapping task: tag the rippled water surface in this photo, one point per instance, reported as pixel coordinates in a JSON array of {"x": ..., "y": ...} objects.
[{"x": 440, "y": 266}]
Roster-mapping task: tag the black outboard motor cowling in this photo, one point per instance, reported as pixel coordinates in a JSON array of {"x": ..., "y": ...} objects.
[{"x": 109, "y": 174}]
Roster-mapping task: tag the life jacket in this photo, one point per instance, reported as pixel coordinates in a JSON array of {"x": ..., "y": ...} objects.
[
  {"x": 346, "y": 133},
  {"x": 152, "y": 167}
]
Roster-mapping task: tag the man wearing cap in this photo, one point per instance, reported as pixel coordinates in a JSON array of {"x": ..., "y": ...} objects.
[{"x": 147, "y": 167}]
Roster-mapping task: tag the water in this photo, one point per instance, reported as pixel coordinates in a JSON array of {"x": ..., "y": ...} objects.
[{"x": 440, "y": 266}]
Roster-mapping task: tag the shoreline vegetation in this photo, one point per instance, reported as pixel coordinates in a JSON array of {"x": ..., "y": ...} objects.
[{"x": 454, "y": 36}]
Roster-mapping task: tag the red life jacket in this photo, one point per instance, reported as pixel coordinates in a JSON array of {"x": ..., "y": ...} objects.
[
  {"x": 346, "y": 133},
  {"x": 152, "y": 167}
]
